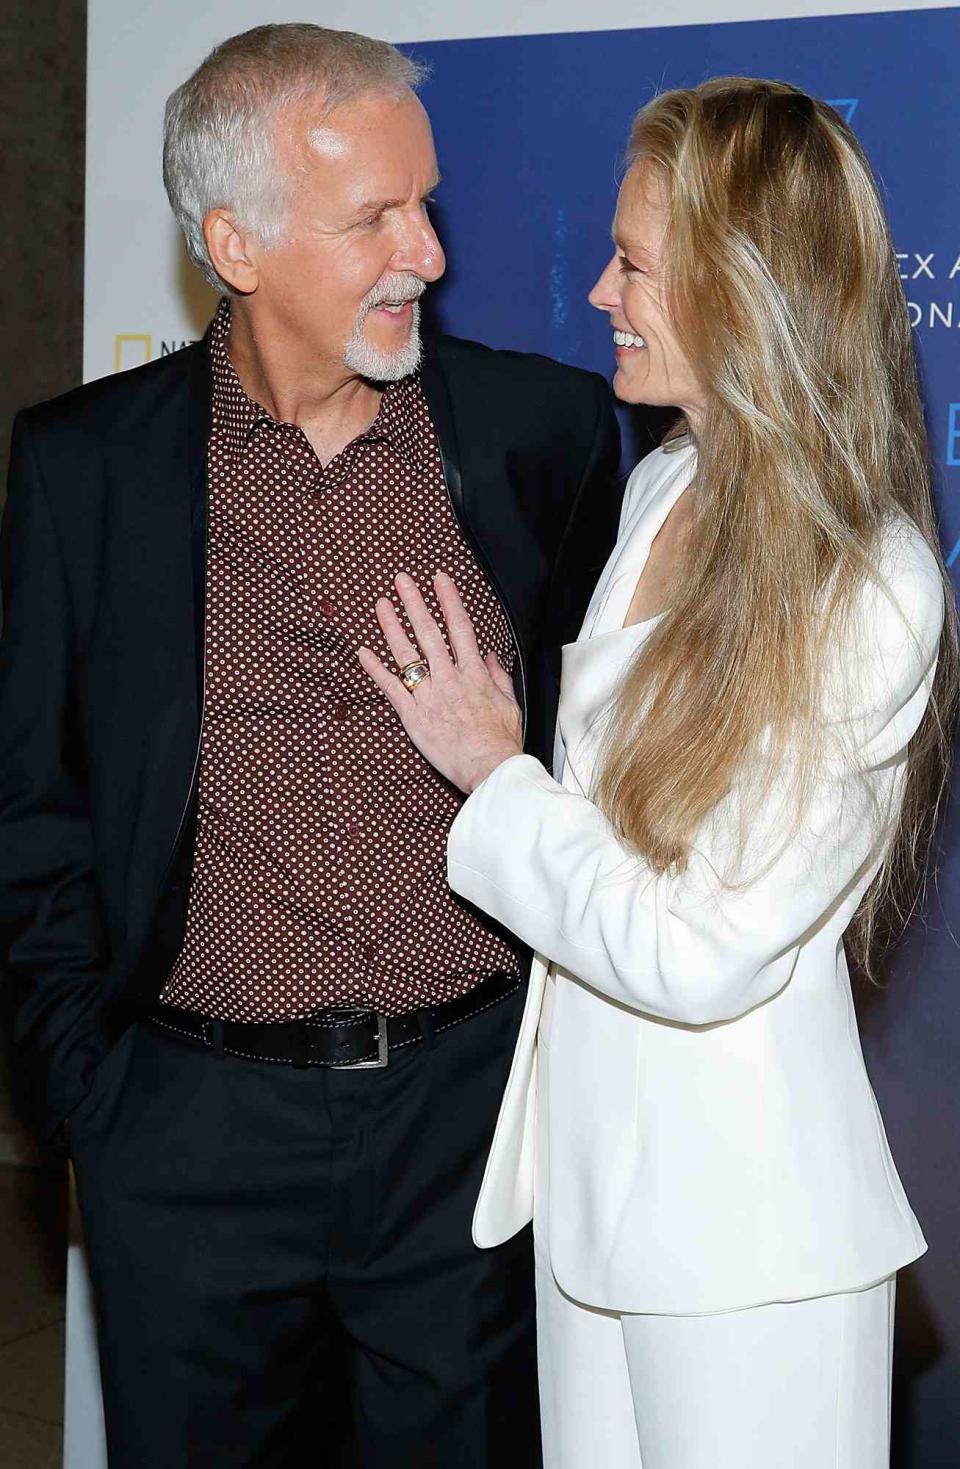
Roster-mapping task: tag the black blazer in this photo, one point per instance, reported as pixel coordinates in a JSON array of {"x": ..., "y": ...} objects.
[{"x": 101, "y": 660}]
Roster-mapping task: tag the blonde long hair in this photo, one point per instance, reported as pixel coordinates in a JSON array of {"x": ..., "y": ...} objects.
[{"x": 784, "y": 288}]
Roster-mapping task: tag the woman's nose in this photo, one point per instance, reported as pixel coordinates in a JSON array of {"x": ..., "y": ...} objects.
[{"x": 605, "y": 295}]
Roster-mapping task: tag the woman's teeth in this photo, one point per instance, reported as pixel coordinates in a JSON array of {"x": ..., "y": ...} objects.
[{"x": 628, "y": 339}]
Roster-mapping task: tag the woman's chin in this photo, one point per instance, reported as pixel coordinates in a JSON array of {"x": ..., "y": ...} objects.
[{"x": 629, "y": 388}]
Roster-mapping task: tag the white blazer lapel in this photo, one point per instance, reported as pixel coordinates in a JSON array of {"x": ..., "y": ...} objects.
[{"x": 594, "y": 665}]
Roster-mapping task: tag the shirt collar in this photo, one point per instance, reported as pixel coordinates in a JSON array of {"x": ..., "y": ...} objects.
[
  {"x": 403, "y": 419},
  {"x": 235, "y": 413},
  {"x": 403, "y": 422}
]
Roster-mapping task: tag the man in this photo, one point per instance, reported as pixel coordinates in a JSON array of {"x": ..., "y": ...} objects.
[{"x": 274, "y": 1039}]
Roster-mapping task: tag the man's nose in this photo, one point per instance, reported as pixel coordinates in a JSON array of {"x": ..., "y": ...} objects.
[
  {"x": 605, "y": 295},
  {"x": 420, "y": 252}
]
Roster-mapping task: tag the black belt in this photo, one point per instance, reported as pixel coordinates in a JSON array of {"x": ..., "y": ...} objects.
[{"x": 348, "y": 1036}]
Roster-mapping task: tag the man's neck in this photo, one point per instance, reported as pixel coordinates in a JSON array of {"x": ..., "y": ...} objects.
[{"x": 331, "y": 406}]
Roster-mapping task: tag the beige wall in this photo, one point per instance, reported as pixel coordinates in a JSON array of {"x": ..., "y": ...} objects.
[{"x": 42, "y": 96}]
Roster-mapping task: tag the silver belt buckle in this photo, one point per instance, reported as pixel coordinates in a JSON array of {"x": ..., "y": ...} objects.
[{"x": 383, "y": 1052}]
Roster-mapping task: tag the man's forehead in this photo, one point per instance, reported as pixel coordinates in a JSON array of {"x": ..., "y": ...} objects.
[
  {"x": 354, "y": 124},
  {"x": 370, "y": 152},
  {"x": 327, "y": 141}
]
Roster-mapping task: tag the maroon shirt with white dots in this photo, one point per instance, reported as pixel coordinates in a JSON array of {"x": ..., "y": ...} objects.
[{"x": 320, "y": 873}]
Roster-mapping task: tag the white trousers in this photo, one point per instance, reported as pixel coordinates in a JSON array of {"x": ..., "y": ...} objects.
[{"x": 802, "y": 1385}]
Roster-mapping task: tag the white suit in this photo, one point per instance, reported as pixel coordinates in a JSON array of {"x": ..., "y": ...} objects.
[{"x": 711, "y": 1139}]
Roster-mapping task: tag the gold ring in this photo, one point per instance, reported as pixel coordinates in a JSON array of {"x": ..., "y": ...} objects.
[{"x": 412, "y": 674}]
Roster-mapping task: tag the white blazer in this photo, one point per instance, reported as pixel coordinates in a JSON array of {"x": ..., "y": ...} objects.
[{"x": 713, "y": 1139}]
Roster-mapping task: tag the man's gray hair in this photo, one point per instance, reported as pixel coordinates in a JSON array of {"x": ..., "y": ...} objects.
[{"x": 218, "y": 133}]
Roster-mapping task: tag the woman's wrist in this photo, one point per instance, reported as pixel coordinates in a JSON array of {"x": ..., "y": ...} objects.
[{"x": 487, "y": 763}]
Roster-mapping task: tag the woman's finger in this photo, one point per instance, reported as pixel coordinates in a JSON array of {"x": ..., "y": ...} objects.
[
  {"x": 387, "y": 683},
  {"x": 499, "y": 675},
  {"x": 460, "y": 631},
  {"x": 402, "y": 651},
  {"x": 424, "y": 624}
]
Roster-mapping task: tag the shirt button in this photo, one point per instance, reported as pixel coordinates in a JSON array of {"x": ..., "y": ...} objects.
[
  {"x": 369, "y": 952},
  {"x": 353, "y": 830},
  {"x": 340, "y": 712},
  {"x": 328, "y": 608}
]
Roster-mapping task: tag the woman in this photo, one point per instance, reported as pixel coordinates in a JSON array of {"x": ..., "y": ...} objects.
[{"x": 752, "y": 743}]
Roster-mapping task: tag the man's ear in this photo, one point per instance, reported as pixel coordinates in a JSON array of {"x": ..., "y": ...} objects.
[{"x": 227, "y": 245}]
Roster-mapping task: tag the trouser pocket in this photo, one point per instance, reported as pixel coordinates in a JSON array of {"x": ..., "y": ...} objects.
[{"x": 105, "y": 1091}]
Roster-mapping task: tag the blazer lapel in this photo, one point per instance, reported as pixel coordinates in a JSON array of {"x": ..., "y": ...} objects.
[
  {"x": 595, "y": 663},
  {"x": 437, "y": 394},
  {"x": 485, "y": 504},
  {"x": 199, "y": 409},
  {"x": 171, "y": 466}
]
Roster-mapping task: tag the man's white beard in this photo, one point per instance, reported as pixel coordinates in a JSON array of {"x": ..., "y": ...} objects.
[{"x": 374, "y": 363}]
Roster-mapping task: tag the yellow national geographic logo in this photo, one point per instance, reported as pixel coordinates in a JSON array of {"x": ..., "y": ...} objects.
[{"x": 131, "y": 349}]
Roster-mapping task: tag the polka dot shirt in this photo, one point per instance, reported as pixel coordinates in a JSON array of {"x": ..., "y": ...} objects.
[{"x": 320, "y": 875}]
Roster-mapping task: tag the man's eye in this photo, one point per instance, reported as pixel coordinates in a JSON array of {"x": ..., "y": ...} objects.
[{"x": 628, "y": 268}]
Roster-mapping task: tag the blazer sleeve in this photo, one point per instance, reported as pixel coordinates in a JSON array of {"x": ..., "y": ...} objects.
[
  {"x": 51, "y": 931},
  {"x": 697, "y": 947}
]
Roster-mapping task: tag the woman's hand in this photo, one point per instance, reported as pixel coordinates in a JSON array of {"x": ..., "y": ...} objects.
[{"x": 463, "y": 718}]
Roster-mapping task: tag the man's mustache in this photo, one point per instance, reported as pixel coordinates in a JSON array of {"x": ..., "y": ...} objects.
[{"x": 393, "y": 288}]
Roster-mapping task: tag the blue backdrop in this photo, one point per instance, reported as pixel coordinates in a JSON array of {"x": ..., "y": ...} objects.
[{"x": 530, "y": 133}]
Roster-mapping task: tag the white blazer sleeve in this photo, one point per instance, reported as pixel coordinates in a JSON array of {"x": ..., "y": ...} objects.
[{"x": 691, "y": 947}]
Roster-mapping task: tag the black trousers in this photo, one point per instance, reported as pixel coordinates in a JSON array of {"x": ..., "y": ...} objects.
[{"x": 282, "y": 1259}]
